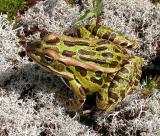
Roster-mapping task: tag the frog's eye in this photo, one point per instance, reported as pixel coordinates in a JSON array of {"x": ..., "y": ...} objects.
[{"x": 48, "y": 59}]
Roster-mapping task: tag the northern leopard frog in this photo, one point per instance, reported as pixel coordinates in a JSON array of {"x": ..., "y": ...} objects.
[{"x": 98, "y": 61}]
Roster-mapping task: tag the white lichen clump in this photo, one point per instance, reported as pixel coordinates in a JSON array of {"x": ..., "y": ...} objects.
[{"x": 28, "y": 105}]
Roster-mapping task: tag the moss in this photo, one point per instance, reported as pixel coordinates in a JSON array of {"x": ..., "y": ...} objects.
[{"x": 12, "y": 7}]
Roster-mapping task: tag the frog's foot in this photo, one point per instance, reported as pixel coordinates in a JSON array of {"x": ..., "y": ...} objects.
[
  {"x": 72, "y": 104},
  {"x": 124, "y": 83}
]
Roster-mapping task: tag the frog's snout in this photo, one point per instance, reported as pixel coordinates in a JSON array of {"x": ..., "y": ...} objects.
[{"x": 32, "y": 46}]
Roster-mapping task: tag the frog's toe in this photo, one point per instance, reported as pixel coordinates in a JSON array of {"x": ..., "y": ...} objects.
[{"x": 74, "y": 105}]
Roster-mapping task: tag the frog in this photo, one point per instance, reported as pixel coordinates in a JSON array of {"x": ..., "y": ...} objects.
[{"x": 95, "y": 60}]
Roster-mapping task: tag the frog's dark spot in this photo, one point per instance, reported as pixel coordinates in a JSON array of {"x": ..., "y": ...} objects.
[
  {"x": 69, "y": 43},
  {"x": 110, "y": 102},
  {"x": 118, "y": 79},
  {"x": 68, "y": 53},
  {"x": 107, "y": 54},
  {"x": 118, "y": 58},
  {"x": 109, "y": 78},
  {"x": 130, "y": 46},
  {"x": 52, "y": 40},
  {"x": 116, "y": 50},
  {"x": 124, "y": 62},
  {"x": 76, "y": 80},
  {"x": 85, "y": 52},
  {"x": 86, "y": 91},
  {"x": 114, "y": 64},
  {"x": 85, "y": 58},
  {"x": 78, "y": 32},
  {"x": 124, "y": 70},
  {"x": 113, "y": 85},
  {"x": 98, "y": 73},
  {"x": 69, "y": 70},
  {"x": 99, "y": 96},
  {"x": 101, "y": 48},
  {"x": 95, "y": 29},
  {"x": 112, "y": 37},
  {"x": 55, "y": 49},
  {"x": 124, "y": 51},
  {"x": 106, "y": 35},
  {"x": 138, "y": 77},
  {"x": 80, "y": 43},
  {"x": 111, "y": 75},
  {"x": 87, "y": 27},
  {"x": 136, "y": 82},
  {"x": 99, "y": 61},
  {"x": 122, "y": 93},
  {"x": 82, "y": 91},
  {"x": 81, "y": 70},
  {"x": 123, "y": 44},
  {"x": 105, "y": 86},
  {"x": 94, "y": 80},
  {"x": 113, "y": 95},
  {"x": 103, "y": 42}
]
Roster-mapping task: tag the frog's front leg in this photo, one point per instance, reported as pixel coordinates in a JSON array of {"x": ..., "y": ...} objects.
[
  {"x": 77, "y": 102},
  {"x": 124, "y": 83}
]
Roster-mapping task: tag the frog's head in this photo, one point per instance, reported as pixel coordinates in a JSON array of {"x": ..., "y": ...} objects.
[{"x": 45, "y": 53}]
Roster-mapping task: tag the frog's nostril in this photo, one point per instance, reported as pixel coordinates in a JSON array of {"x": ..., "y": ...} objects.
[{"x": 36, "y": 44}]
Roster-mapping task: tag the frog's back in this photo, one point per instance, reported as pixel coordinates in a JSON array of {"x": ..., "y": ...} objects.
[{"x": 93, "y": 51}]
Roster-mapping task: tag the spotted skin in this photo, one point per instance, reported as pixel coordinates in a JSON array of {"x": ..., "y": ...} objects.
[
  {"x": 122, "y": 84},
  {"x": 96, "y": 62},
  {"x": 68, "y": 53},
  {"x": 107, "y": 33}
]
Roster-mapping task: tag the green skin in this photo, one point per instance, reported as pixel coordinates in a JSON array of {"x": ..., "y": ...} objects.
[{"x": 98, "y": 61}]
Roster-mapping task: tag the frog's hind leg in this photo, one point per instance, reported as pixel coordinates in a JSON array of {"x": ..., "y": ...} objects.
[
  {"x": 82, "y": 32},
  {"x": 124, "y": 83},
  {"x": 104, "y": 32}
]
